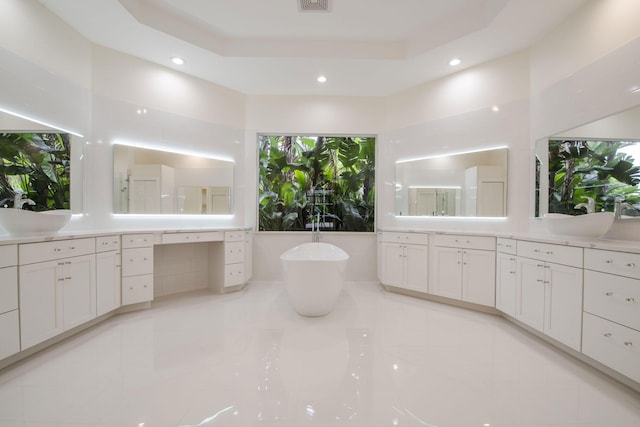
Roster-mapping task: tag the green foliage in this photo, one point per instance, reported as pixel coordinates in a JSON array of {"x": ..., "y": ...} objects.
[
  {"x": 595, "y": 169},
  {"x": 38, "y": 164},
  {"x": 302, "y": 177}
]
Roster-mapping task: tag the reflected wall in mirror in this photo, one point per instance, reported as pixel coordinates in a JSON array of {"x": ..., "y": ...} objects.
[
  {"x": 153, "y": 181},
  {"x": 39, "y": 161},
  {"x": 598, "y": 161},
  {"x": 467, "y": 184}
]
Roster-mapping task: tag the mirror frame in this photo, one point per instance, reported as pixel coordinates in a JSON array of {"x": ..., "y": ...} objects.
[
  {"x": 461, "y": 207},
  {"x": 172, "y": 198}
]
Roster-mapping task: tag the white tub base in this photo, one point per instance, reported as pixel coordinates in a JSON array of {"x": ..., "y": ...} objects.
[{"x": 314, "y": 277}]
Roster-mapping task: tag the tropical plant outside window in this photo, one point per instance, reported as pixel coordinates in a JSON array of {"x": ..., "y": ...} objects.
[
  {"x": 39, "y": 165},
  {"x": 602, "y": 170},
  {"x": 328, "y": 180}
]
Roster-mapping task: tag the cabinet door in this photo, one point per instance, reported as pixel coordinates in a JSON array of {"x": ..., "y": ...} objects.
[
  {"x": 79, "y": 291},
  {"x": 415, "y": 263},
  {"x": 9, "y": 334},
  {"x": 393, "y": 264},
  {"x": 41, "y": 287},
  {"x": 107, "y": 282},
  {"x": 563, "y": 319},
  {"x": 531, "y": 293},
  {"x": 447, "y": 272},
  {"x": 479, "y": 277},
  {"x": 506, "y": 283}
]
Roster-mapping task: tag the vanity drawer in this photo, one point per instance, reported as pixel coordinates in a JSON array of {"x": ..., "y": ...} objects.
[
  {"x": 467, "y": 242},
  {"x": 233, "y": 252},
  {"x": 507, "y": 246},
  {"x": 137, "y": 240},
  {"x": 137, "y": 261},
  {"x": 46, "y": 251},
  {"x": 208, "y": 236},
  {"x": 234, "y": 236},
  {"x": 559, "y": 254},
  {"x": 233, "y": 274},
  {"x": 8, "y": 289},
  {"x": 107, "y": 243},
  {"x": 613, "y": 345},
  {"x": 137, "y": 289},
  {"x": 622, "y": 263},
  {"x": 613, "y": 297},
  {"x": 8, "y": 255},
  {"x": 408, "y": 238}
]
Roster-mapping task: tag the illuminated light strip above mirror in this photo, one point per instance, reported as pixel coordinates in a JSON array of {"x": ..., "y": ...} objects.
[
  {"x": 453, "y": 218},
  {"x": 435, "y": 156},
  {"x": 40, "y": 122},
  {"x": 447, "y": 187},
  {"x": 179, "y": 216},
  {"x": 172, "y": 150}
]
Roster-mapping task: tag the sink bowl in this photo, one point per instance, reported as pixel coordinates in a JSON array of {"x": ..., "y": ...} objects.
[
  {"x": 18, "y": 221},
  {"x": 585, "y": 227}
]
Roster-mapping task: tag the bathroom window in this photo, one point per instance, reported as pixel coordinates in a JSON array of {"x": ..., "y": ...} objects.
[
  {"x": 316, "y": 181},
  {"x": 37, "y": 164}
]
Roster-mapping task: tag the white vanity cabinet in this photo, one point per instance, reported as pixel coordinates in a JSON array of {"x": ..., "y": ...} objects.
[
  {"x": 248, "y": 255},
  {"x": 549, "y": 290},
  {"x": 506, "y": 276},
  {"x": 57, "y": 288},
  {"x": 137, "y": 268},
  {"x": 9, "y": 313},
  {"x": 234, "y": 258},
  {"x": 405, "y": 260},
  {"x": 108, "y": 274},
  {"x": 611, "y": 330},
  {"x": 464, "y": 268}
]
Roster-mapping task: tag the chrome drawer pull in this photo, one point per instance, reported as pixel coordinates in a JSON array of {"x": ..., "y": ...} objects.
[
  {"x": 609, "y": 294},
  {"x": 607, "y": 335},
  {"x": 630, "y": 299}
]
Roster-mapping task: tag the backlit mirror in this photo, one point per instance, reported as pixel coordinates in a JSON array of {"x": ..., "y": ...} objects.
[
  {"x": 152, "y": 181},
  {"x": 599, "y": 160},
  {"x": 469, "y": 184},
  {"x": 41, "y": 160}
]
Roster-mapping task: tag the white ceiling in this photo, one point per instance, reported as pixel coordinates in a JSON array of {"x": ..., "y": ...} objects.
[{"x": 364, "y": 47}]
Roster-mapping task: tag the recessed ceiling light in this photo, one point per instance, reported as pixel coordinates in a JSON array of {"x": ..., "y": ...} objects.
[
  {"x": 322, "y": 79},
  {"x": 495, "y": 108},
  {"x": 455, "y": 61},
  {"x": 177, "y": 60}
]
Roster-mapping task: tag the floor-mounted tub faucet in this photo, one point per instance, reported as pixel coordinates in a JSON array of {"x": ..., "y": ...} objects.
[
  {"x": 315, "y": 236},
  {"x": 19, "y": 202}
]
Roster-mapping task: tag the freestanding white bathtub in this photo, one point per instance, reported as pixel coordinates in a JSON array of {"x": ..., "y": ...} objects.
[{"x": 313, "y": 276}]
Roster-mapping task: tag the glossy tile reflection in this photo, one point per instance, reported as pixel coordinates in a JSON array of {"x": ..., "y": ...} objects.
[{"x": 247, "y": 359}]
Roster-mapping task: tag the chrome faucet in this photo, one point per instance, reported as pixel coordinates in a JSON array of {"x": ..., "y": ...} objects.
[
  {"x": 590, "y": 206},
  {"x": 619, "y": 206},
  {"x": 315, "y": 230},
  {"x": 19, "y": 202}
]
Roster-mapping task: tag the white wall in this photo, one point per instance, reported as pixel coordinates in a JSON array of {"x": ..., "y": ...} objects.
[
  {"x": 584, "y": 70},
  {"x": 453, "y": 114},
  {"x": 308, "y": 115}
]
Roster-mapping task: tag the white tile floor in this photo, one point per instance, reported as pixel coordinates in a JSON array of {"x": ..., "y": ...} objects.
[{"x": 245, "y": 359}]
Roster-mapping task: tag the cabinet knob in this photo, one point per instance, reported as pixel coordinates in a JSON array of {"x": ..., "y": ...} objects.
[
  {"x": 631, "y": 264},
  {"x": 550, "y": 253},
  {"x": 536, "y": 251},
  {"x": 609, "y": 261},
  {"x": 609, "y": 294},
  {"x": 72, "y": 247},
  {"x": 56, "y": 249},
  {"x": 628, "y": 343},
  {"x": 607, "y": 335},
  {"x": 630, "y": 299}
]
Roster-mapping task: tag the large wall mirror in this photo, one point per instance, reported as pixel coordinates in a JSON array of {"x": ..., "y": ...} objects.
[
  {"x": 469, "y": 184},
  {"x": 41, "y": 160},
  {"x": 153, "y": 181},
  {"x": 599, "y": 160}
]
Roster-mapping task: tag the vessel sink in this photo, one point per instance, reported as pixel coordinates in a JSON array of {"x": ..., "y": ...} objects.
[
  {"x": 18, "y": 221},
  {"x": 585, "y": 227}
]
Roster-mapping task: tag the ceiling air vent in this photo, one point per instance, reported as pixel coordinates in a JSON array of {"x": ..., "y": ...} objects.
[{"x": 313, "y": 5}]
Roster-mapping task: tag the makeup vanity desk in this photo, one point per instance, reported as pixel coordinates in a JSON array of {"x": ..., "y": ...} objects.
[{"x": 53, "y": 286}]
